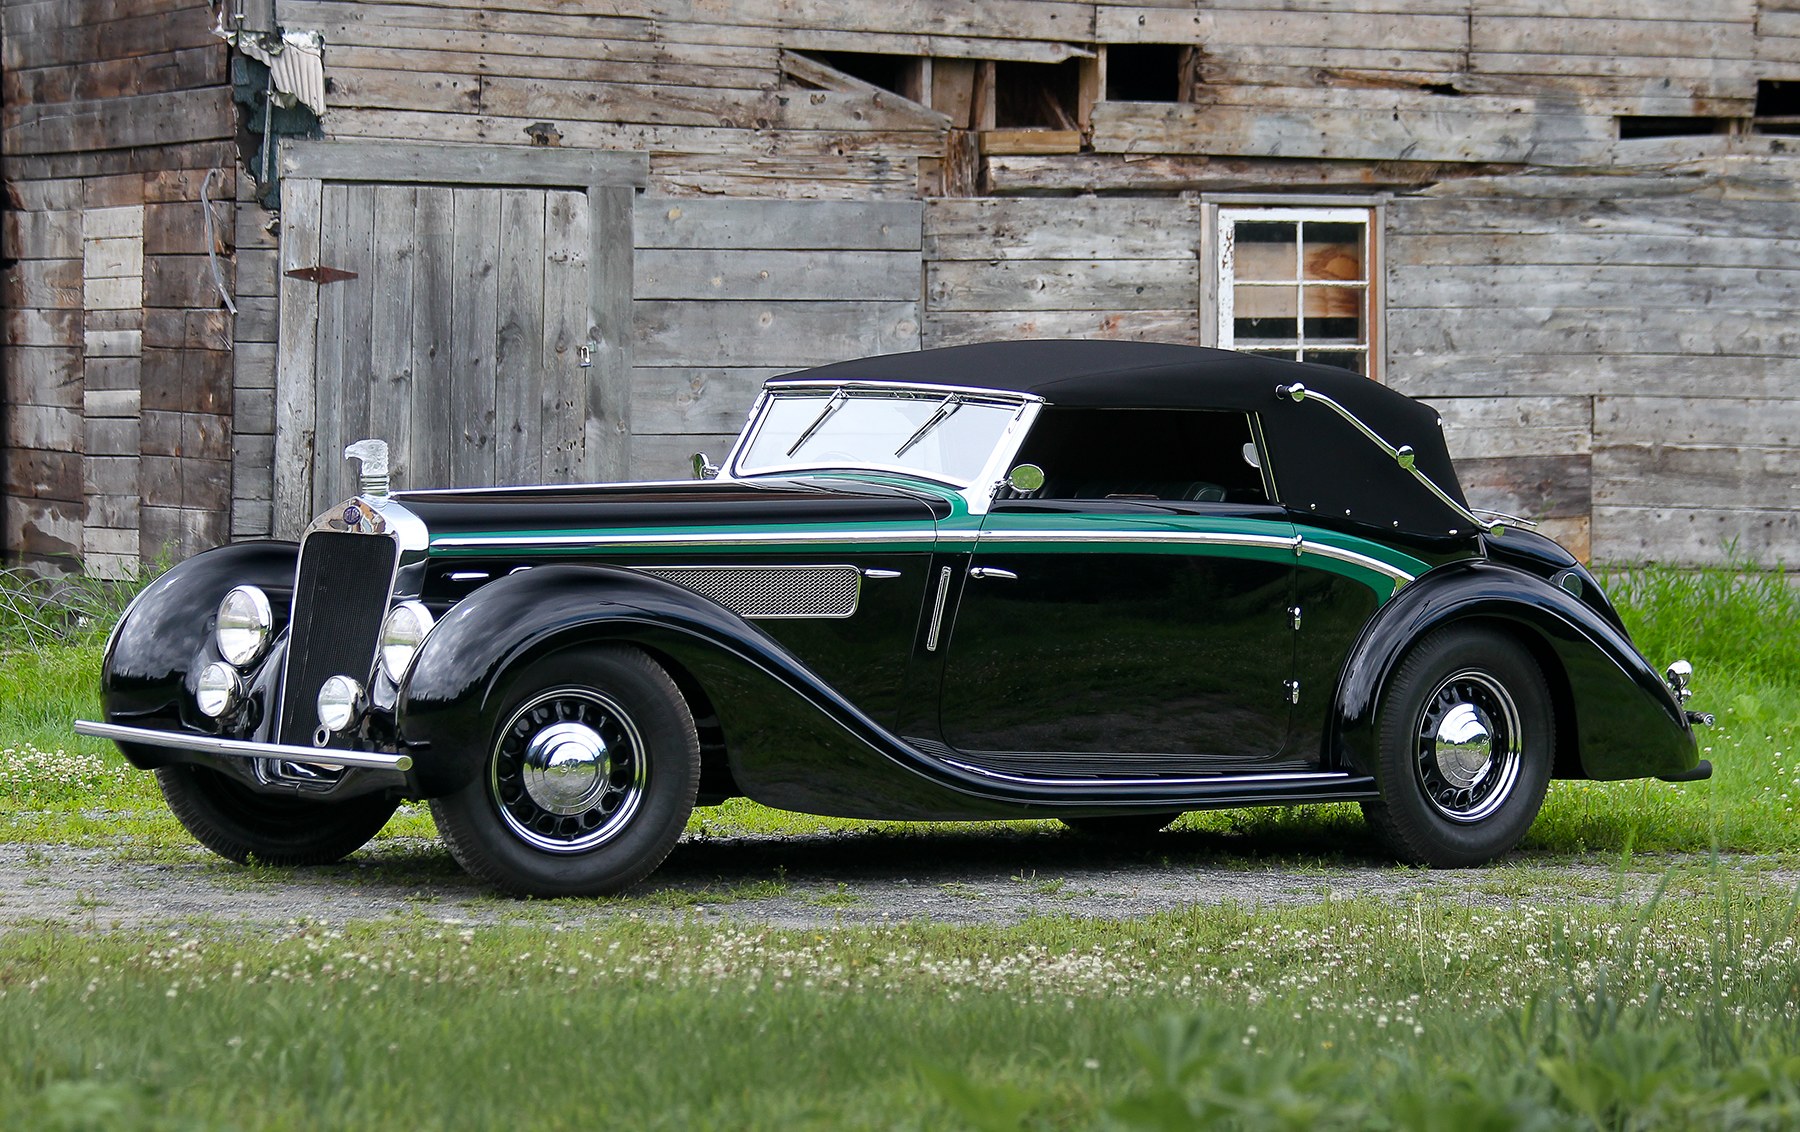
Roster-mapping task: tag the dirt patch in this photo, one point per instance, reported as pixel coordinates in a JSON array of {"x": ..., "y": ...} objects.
[{"x": 789, "y": 881}]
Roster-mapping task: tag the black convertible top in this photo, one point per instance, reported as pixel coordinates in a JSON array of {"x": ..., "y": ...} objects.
[{"x": 1323, "y": 466}]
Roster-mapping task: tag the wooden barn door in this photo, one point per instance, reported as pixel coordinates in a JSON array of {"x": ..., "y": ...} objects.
[{"x": 469, "y": 305}]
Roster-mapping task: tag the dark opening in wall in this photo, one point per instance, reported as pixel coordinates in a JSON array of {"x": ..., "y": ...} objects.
[
  {"x": 1777, "y": 107},
  {"x": 1657, "y": 126},
  {"x": 902, "y": 74},
  {"x": 1037, "y": 95},
  {"x": 1145, "y": 72}
]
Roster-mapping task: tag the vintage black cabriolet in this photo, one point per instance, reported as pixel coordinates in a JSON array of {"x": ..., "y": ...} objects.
[{"x": 1102, "y": 582}]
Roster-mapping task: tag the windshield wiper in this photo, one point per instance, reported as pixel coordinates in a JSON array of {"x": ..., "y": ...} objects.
[
  {"x": 831, "y": 406},
  {"x": 945, "y": 408}
]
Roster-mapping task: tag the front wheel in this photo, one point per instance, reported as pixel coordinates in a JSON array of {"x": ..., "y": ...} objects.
[
  {"x": 238, "y": 823},
  {"x": 1466, "y": 747},
  {"x": 592, "y": 767}
]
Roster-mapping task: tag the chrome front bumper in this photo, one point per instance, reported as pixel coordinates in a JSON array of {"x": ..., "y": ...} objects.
[{"x": 242, "y": 748}]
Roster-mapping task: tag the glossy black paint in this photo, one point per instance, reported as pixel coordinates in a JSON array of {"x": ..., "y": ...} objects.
[
  {"x": 1617, "y": 712},
  {"x": 153, "y": 651},
  {"x": 670, "y": 505}
]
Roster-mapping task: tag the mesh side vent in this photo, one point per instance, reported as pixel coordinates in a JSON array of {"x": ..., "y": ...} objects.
[{"x": 771, "y": 591}]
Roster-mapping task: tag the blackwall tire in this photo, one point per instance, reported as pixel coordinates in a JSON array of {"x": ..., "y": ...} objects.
[
  {"x": 242, "y": 825},
  {"x": 1467, "y": 742},
  {"x": 591, "y": 771}
]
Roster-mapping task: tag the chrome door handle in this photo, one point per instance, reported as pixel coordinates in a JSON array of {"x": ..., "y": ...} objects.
[{"x": 992, "y": 572}]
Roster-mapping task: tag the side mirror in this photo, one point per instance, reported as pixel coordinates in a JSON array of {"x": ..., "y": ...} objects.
[
  {"x": 704, "y": 468},
  {"x": 1025, "y": 478}
]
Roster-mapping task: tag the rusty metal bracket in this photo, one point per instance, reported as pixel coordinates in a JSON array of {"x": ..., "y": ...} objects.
[{"x": 320, "y": 274}]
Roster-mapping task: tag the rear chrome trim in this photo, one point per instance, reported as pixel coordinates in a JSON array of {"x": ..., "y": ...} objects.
[{"x": 242, "y": 748}]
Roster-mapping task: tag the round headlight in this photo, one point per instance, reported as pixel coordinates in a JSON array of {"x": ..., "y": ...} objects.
[
  {"x": 340, "y": 702},
  {"x": 217, "y": 690},
  {"x": 244, "y": 624},
  {"x": 401, "y": 635}
]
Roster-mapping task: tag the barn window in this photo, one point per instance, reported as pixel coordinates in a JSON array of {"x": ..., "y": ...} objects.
[
  {"x": 1777, "y": 107},
  {"x": 1297, "y": 283},
  {"x": 1037, "y": 96},
  {"x": 1149, "y": 72}
]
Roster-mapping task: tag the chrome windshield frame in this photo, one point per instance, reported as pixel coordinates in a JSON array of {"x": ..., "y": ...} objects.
[{"x": 977, "y": 493}]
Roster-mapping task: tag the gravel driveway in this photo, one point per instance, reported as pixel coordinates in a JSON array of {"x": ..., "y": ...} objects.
[{"x": 812, "y": 880}]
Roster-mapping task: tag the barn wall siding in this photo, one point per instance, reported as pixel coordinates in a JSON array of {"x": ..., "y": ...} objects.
[
  {"x": 118, "y": 355},
  {"x": 1641, "y": 327}
]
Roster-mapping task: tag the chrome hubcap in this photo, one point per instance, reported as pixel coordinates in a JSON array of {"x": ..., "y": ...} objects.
[
  {"x": 1468, "y": 746},
  {"x": 568, "y": 770},
  {"x": 566, "y": 767}
]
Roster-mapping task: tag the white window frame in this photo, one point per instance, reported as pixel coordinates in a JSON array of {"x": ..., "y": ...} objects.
[{"x": 1228, "y": 214}]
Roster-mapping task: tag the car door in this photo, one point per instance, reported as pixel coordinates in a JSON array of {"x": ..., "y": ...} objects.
[{"x": 1156, "y": 632}]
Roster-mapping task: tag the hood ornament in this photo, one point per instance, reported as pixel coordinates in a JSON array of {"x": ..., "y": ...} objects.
[{"x": 372, "y": 459}]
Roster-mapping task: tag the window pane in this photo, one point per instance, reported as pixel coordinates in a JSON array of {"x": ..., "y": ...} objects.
[
  {"x": 1342, "y": 359},
  {"x": 1265, "y": 250},
  {"x": 1333, "y": 303},
  {"x": 1265, "y": 312},
  {"x": 1334, "y": 259}
]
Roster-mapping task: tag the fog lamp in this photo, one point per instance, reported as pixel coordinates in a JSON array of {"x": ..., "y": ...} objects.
[
  {"x": 218, "y": 690},
  {"x": 340, "y": 703}
]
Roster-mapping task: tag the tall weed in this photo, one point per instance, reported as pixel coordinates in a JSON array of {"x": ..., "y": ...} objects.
[{"x": 1738, "y": 617}]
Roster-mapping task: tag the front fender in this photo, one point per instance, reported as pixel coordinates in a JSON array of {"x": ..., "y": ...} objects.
[
  {"x": 446, "y": 706},
  {"x": 148, "y": 655},
  {"x": 1626, "y": 723}
]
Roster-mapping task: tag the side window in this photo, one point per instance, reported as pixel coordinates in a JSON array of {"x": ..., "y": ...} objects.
[
  {"x": 1297, "y": 283},
  {"x": 1193, "y": 456}
]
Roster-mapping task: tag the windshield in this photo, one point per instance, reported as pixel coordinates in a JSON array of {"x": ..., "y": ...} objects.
[{"x": 941, "y": 434}]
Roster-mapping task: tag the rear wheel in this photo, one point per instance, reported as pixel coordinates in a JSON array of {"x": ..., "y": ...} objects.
[
  {"x": 592, "y": 767},
  {"x": 1466, "y": 747},
  {"x": 240, "y": 824}
]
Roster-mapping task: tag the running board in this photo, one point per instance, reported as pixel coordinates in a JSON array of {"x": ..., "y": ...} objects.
[{"x": 1209, "y": 791}]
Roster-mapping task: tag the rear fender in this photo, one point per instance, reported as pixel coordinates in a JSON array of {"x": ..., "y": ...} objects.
[{"x": 1626, "y": 722}]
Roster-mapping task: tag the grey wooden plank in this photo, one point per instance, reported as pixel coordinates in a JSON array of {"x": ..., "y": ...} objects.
[
  {"x": 1102, "y": 228},
  {"x": 519, "y": 336},
  {"x": 430, "y": 162},
  {"x": 295, "y": 413},
  {"x": 434, "y": 288},
  {"x": 1065, "y": 284},
  {"x": 1554, "y": 330},
  {"x": 563, "y": 410},
  {"x": 391, "y": 327},
  {"x": 1693, "y": 536},
  {"x": 1573, "y": 246},
  {"x": 1515, "y": 426},
  {"x": 607, "y": 445},
  {"x": 474, "y": 326},
  {"x": 687, "y": 399},
  {"x": 330, "y": 374},
  {"x": 660, "y": 456},
  {"x": 779, "y": 334},
  {"x": 1431, "y": 375},
  {"x": 1702, "y": 476},
  {"x": 789, "y": 225},
  {"x": 956, "y": 328},
  {"x": 710, "y": 273},
  {"x": 357, "y": 353},
  {"x": 1729, "y": 421},
  {"x": 1616, "y": 288}
]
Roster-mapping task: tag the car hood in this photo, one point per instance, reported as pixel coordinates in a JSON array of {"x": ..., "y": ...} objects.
[{"x": 639, "y": 507}]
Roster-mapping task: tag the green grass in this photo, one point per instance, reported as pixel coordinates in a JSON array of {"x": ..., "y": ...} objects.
[{"x": 1365, "y": 1013}]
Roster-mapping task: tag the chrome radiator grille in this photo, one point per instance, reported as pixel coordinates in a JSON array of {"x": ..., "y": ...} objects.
[
  {"x": 771, "y": 591},
  {"x": 340, "y": 596}
]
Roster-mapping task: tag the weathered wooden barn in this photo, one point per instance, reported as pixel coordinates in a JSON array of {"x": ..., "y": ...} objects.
[{"x": 558, "y": 239}]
